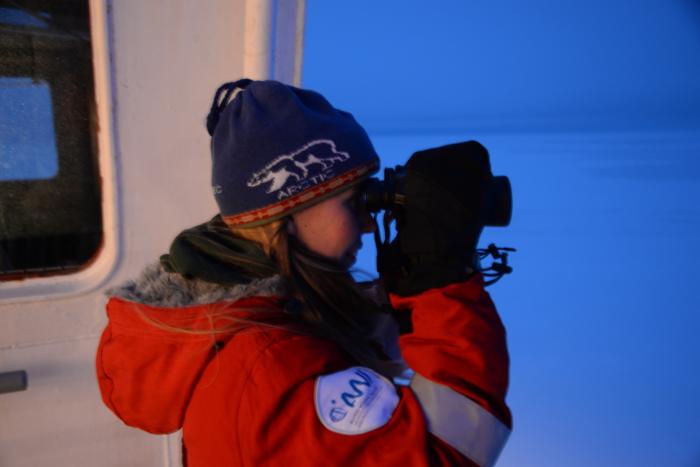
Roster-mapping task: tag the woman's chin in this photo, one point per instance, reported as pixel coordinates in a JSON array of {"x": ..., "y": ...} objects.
[{"x": 348, "y": 260}]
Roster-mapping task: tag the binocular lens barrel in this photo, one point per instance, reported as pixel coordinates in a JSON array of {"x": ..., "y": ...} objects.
[{"x": 497, "y": 205}]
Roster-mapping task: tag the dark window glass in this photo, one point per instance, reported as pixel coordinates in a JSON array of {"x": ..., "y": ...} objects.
[{"x": 50, "y": 207}]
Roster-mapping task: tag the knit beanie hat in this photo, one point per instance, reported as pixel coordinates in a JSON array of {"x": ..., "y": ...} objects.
[{"x": 277, "y": 149}]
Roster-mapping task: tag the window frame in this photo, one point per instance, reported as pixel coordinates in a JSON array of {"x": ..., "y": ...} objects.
[{"x": 105, "y": 261}]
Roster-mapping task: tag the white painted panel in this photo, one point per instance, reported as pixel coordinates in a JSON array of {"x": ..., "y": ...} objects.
[
  {"x": 60, "y": 420},
  {"x": 159, "y": 63}
]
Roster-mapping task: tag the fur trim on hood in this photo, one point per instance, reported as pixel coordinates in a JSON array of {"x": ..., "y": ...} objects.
[
  {"x": 147, "y": 372},
  {"x": 157, "y": 287}
]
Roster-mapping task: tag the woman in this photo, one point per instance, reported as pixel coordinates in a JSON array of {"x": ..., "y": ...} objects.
[{"x": 252, "y": 336}]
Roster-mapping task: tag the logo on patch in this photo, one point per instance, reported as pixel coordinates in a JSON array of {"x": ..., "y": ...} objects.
[
  {"x": 308, "y": 166},
  {"x": 354, "y": 401},
  {"x": 360, "y": 379},
  {"x": 337, "y": 414}
]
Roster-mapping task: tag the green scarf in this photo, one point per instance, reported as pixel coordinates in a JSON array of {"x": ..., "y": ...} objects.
[{"x": 210, "y": 252}]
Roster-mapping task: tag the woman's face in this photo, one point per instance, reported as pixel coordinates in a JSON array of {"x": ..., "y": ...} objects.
[{"x": 333, "y": 228}]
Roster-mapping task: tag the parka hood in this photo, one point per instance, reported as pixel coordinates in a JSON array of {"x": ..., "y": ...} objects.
[
  {"x": 159, "y": 340},
  {"x": 157, "y": 287}
]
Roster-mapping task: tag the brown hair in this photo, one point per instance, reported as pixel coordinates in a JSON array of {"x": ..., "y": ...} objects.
[{"x": 332, "y": 303}]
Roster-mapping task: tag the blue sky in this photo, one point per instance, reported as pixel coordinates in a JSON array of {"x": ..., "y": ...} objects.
[
  {"x": 27, "y": 140},
  {"x": 593, "y": 111}
]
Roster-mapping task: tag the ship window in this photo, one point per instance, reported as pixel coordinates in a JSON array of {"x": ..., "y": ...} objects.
[{"x": 50, "y": 200}]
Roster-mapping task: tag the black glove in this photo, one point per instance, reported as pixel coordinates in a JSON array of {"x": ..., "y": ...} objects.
[{"x": 439, "y": 224}]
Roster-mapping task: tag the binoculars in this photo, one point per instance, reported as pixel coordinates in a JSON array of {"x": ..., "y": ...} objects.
[{"x": 496, "y": 196}]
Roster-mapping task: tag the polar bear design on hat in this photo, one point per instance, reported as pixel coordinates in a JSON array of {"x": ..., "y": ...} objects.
[{"x": 312, "y": 158}]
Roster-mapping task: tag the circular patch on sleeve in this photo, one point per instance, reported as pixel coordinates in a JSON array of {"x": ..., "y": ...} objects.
[{"x": 354, "y": 401}]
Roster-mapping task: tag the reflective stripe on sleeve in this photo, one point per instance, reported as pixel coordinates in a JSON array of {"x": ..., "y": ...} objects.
[{"x": 460, "y": 422}]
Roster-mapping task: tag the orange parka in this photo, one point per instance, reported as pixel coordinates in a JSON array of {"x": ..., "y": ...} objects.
[{"x": 272, "y": 394}]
